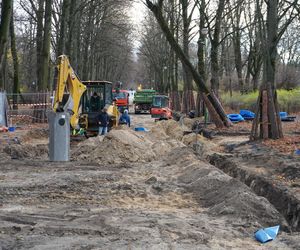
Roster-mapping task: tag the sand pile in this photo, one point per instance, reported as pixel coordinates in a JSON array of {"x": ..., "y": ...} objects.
[
  {"x": 36, "y": 134},
  {"x": 21, "y": 152},
  {"x": 188, "y": 122},
  {"x": 158, "y": 132},
  {"x": 121, "y": 146},
  {"x": 192, "y": 138},
  {"x": 221, "y": 194},
  {"x": 161, "y": 148},
  {"x": 201, "y": 145},
  {"x": 172, "y": 129}
]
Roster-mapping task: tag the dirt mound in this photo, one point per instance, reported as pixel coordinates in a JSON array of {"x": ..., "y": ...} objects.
[
  {"x": 172, "y": 129},
  {"x": 188, "y": 122},
  {"x": 27, "y": 151},
  {"x": 221, "y": 194},
  {"x": 122, "y": 145},
  {"x": 158, "y": 132},
  {"x": 35, "y": 134},
  {"x": 161, "y": 148}
]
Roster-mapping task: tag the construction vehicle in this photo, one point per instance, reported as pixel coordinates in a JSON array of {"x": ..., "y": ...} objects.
[
  {"x": 121, "y": 98},
  {"x": 143, "y": 100},
  {"x": 74, "y": 96},
  {"x": 160, "y": 108}
]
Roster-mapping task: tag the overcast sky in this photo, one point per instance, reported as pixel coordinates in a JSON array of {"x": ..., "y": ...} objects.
[{"x": 137, "y": 14}]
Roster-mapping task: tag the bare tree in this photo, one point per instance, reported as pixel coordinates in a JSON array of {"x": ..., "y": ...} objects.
[
  {"x": 46, "y": 46},
  {"x": 6, "y": 9},
  {"x": 236, "y": 37},
  {"x": 188, "y": 102},
  {"x": 215, "y": 108},
  {"x": 16, "y": 84},
  {"x": 267, "y": 122}
]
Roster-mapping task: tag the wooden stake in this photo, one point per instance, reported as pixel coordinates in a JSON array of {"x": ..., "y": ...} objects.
[
  {"x": 278, "y": 116},
  {"x": 256, "y": 120},
  {"x": 272, "y": 114},
  {"x": 265, "y": 120}
]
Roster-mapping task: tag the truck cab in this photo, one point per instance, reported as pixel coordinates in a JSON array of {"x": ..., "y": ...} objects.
[
  {"x": 121, "y": 98},
  {"x": 160, "y": 108}
]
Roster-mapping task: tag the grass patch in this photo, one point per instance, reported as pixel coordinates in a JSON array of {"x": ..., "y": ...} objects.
[{"x": 289, "y": 100}]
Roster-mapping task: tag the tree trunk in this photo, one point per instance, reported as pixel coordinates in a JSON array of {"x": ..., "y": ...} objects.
[
  {"x": 237, "y": 47},
  {"x": 214, "y": 54},
  {"x": 267, "y": 91},
  {"x": 238, "y": 60},
  {"x": 39, "y": 42},
  {"x": 188, "y": 102},
  {"x": 201, "y": 54},
  {"x": 215, "y": 108},
  {"x": 16, "y": 87},
  {"x": 4, "y": 28},
  {"x": 71, "y": 23},
  {"x": 46, "y": 46},
  {"x": 173, "y": 86},
  {"x": 63, "y": 25},
  {"x": 87, "y": 41}
]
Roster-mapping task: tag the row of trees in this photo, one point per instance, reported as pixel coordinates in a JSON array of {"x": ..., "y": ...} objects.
[
  {"x": 95, "y": 34},
  {"x": 237, "y": 41},
  {"x": 231, "y": 53},
  {"x": 244, "y": 37}
]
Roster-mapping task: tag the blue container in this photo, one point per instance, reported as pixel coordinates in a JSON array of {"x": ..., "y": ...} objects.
[
  {"x": 11, "y": 129},
  {"x": 283, "y": 114},
  {"x": 266, "y": 234},
  {"x": 247, "y": 114},
  {"x": 235, "y": 117},
  {"x": 141, "y": 129}
]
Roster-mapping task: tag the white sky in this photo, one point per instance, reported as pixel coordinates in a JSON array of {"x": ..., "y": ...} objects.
[
  {"x": 137, "y": 14},
  {"x": 137, "y": 11}
]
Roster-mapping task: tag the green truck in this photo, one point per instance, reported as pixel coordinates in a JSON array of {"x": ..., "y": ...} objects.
[{"x": 143, "y": 100}]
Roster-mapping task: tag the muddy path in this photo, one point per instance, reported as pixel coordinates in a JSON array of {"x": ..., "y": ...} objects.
[{"x": 130, "y": 190}]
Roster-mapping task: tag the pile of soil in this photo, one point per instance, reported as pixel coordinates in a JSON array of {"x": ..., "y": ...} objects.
[
  {"x": 182, "y": 133},
  {"x": 172, "y": 129},
  {"x": 35, "y": 134},
  {"x": 188, "y": 122},
  {"x": 221, "y": 194},
  {"x": 21, "y": 152},
  {"x": 121, "y": 146},
  {"x": 276, "y": 177}
]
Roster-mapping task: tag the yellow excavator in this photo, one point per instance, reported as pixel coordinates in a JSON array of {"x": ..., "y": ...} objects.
[{"x": 84, "y": 100}]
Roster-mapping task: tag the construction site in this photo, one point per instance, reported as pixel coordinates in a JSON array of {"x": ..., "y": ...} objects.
[
  {"x": 166, "y": 124},
  {"x": 164, "y": 188}
]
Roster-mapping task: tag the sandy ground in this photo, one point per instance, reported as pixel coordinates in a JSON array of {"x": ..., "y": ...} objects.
[{"x": 130, "y": 190}]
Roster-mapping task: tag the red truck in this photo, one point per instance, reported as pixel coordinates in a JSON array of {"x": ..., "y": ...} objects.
[{"x": 121, "y": 98}]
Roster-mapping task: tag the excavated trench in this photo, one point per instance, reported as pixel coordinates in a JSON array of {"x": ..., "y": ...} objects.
[
  {"x": 113, "y": 192},
  {"x": 277, "y": 194}
]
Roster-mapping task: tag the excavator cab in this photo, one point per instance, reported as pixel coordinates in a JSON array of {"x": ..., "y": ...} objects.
[
  {"x": 160, "y": 107},
  {"x": 83, "y": 100},
  {"x": 98, "y": 95}
]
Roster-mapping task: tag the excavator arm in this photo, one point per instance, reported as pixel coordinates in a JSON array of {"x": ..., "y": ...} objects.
[{"x": 68, "y": 83}]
